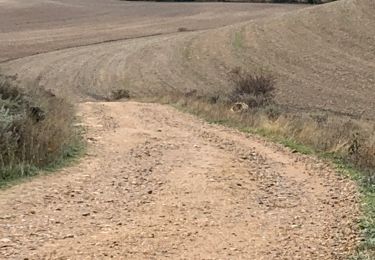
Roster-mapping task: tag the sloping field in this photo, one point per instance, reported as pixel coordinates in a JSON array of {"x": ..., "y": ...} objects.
[
  {"x": 323, "y": 56},
  {"x": 30, "y": 27}
]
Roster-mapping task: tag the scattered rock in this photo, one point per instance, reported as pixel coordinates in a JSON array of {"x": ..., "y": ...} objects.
[
  {"x": 68, "y": 236},
  {"x": 5, "y": 240}
]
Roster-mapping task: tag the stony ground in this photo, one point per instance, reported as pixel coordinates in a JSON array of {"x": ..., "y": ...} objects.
[{"x": 157, "y": 184}]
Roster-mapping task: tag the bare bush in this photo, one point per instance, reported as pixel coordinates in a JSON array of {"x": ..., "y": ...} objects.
[
  {"x": 119, "y": 94},
  {"x": 253, "y": 89},
  {"x": 182, "y": 29}
]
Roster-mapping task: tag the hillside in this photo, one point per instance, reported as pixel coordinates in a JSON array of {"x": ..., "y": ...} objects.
[{"x": 323, "y": 57}]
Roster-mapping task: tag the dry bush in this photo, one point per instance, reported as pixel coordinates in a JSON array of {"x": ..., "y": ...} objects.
[
  {"x": 36, "y": 129},
  {"x": 182, "y": 29},
  {"x": 119, "y": 94},
  {"x": 255, "y": 90}
]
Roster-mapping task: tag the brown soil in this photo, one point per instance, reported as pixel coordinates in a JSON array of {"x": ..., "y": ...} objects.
[{"x": 157, "y": 184}]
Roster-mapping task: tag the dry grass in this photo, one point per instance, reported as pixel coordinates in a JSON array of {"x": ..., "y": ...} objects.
[
  {"x": 344, "y": 137},
  {"x": 36, "y": 130}
]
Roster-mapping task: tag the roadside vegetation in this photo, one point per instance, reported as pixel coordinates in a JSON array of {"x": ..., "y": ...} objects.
[
  {"x": 251, "y": 107},
  {"x": 36, "y": 131}
]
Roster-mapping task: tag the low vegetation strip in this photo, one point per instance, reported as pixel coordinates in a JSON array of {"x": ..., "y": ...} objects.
[{"x": 36, "y": 130}]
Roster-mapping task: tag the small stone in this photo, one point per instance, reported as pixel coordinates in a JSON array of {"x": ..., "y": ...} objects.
[
  {"x": 7, "y": 217},
  {"x": 5, "y": 240},
  {"x": 86, "y": 214},
  {"x": 92, "y": 139}
]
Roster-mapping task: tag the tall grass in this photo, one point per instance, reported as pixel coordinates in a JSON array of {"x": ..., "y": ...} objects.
[{"x": 36, "y": 130}]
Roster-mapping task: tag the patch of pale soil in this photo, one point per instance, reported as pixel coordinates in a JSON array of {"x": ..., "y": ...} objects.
[{"x": 156, "y": 184}]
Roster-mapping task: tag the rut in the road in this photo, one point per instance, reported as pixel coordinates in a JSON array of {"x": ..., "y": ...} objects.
[{"x": 156, "y": 183}]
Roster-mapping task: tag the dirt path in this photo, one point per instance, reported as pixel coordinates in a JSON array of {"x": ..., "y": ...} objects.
[{"x": 158, "y": 184}]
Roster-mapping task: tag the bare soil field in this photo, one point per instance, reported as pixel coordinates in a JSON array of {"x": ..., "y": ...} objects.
[
  {"x": 28, "y": 28},
  {"x": 43, "y": 26},
  {"x": 160, "y": 184},
  {"x": 323, "y": 56}
]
